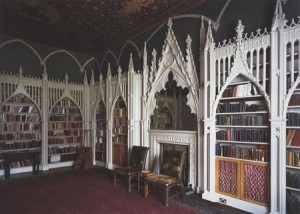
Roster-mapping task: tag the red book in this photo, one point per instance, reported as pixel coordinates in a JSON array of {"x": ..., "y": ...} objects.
[
  {"x": 227, "y": 134},
  {"x": 295, "y": 141},
  {"x": 290, "y": 137}
]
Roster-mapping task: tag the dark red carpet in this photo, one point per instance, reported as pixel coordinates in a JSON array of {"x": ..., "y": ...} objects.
[{"x": 78, "y": 192}]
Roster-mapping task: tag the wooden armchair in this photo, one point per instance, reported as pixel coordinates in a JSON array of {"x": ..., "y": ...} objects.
[
  {"x": 136, "y": 165},
  {"x": 170, "y": 177}
]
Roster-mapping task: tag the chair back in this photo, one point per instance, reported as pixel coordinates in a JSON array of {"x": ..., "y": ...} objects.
[
  {"x": 173, "y": 163},
  {"x": 138, "y": 157}
]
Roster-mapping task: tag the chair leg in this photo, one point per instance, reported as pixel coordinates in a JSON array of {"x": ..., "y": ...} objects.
[
  {"x": 129, "y": 183},
  {"x": 139, "y": 181},
  {"x": 182, "y": 190},
  {"x": 145, "y": 189},
  {"x": 115, "y": 179},
  {"x": 167, "y": 197}
]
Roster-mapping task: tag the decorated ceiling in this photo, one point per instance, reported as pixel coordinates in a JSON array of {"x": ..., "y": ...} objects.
[{"x": 85, "y": 26}]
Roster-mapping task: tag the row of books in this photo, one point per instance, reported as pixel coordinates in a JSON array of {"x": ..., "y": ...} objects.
[
  {"x": 100, "y": 156},
  {"x": 65, "y": 125},
  {"x": 65, "y": 132},
  {"x": 293, "y": 119},
  {"x": 121, "y": 130},
  {"x": 293, "y": 137},
  {"x": 293, "y": 158},
  {"x": 100, "y": 147},
  {"x": 292, "y": 179},
  {"x": 19, "y": 99},
  {"x": 100, "y": 132},
  {"x": 20, "y": 136},
  {"x": 293, "y": 203},
  {"x": 256, "y": 154},
  {"x": 243, "y": 135},
  {"x": 243, "y": 120},
  {"x": 20, "y": 127},
  {"x": 65, "y": 140},
  {"x": 4, "y": 117},
  {"x": 242, "y": 106},
  {"x": 19, "y": 108},
  {"x": 120, "y": 121},
  {"x": 56, "y": 132},
  {"x": 101, "y": 124},
  {"x": 164, "y": 110},
  {"x": 62, "y": 150},
  {"x": 295, "y": 100},
  {"x": 66, "y": 103},
  {"x": 65, "y": 110},
  {"x": 20, "y": 145},
  {"x": 167, "y": 115},
  {"x": 100, "y": 139},
  {"x": 242, "y": 90},
  {"x": 21, "y": 163},
  {"x": 66, "y": 117},
  {"x": 119, "y": 139},
  {"x": 100, "y": 116},
  {"x": 120, "y": 113}
]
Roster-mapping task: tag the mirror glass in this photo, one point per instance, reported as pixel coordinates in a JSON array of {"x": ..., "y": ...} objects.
[{"x": 172, "y": 111}]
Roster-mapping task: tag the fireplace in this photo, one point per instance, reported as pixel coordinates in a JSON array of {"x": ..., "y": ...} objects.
[
  {"x": 174, "y": 140},
  {"x": 178, "y": 147}
]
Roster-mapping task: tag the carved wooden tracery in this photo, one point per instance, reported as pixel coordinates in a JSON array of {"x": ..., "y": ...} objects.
[{"x": 184, "y": 72}]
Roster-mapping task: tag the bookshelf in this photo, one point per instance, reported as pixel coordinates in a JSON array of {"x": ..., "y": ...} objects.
[
  {"x": 100, "y": 144},
  {"x": 65, "y": 134},
  {"x": 243, "y": 144},
  {"x": 292, "y": 139},
  {"x": 20, "y": 130},
  {"x": 119, "y": 133},
  {"x": 293, "y": 152},
  {"x": 164, "y": 120}
]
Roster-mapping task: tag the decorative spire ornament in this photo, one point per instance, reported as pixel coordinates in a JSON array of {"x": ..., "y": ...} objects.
[
  {"x": 239, "y": 31},
  {"x": 279, "y": 20}
]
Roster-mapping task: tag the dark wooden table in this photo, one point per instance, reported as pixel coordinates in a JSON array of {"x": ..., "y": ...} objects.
[{"x": 34, "y": 155}]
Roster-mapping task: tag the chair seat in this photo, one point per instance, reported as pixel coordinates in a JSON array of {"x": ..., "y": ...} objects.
[
  {"x": 163, "y": 180},
  {"x": 126, "y": 170}
]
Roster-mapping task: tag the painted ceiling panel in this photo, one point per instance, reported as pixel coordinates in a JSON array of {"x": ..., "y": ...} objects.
[{"x": 86, "y": 26}]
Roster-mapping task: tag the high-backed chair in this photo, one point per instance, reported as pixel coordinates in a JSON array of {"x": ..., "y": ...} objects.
[
  {"x": 170, "y": 177},
  {"x": 136, "y": 165}
]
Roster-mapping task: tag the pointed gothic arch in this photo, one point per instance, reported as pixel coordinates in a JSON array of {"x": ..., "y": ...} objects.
[{"x": 184, "y": 72}]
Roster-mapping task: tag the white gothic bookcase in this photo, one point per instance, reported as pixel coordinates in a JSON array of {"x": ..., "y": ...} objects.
[
  {"x": 242, "y": 168},
  {"x": 244, "y": 152}
]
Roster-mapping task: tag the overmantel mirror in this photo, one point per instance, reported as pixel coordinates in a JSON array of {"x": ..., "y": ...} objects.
[{"x": 172, "y": 111}]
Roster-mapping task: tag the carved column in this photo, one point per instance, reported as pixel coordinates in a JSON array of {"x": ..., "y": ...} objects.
[{"x": 277, "y": 81}]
